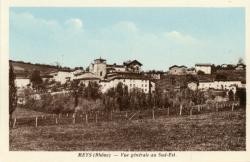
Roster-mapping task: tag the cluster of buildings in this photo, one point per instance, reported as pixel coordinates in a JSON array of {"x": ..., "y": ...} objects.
[
  {"x": 106, "y": 75},
  {"x": 109, "y": 75},
  {"x": 226, "y": 85},
  {"x": 130, "y": 74},
  {"x": 204, "y": 68}
]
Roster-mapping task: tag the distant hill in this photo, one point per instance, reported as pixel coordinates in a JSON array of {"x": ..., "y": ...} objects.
[{"x": 24, "y": 69}]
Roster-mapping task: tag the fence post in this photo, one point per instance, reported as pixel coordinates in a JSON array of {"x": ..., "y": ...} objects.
[
  {"x": 217, "y": 107},
  {"x": 14, "y": 123},
  {"x": 36, "y": 121},
  {"x": 233, "y": 107},
  {"x": 180, "y": 109},
  {"x": 126, "y": 114},
  {"x": 198, "y": 108},
  {"x": 153, "y": 114},
  {"x": 67, "y": 114},
  {"x": 168, "y": 111},
  {"x": 74, "y": 118},
  {"x": 59, "y": 115},
  {"x": 111, "y": 115},
  {"x": 56, "y": 121},
  {"x": 191, "y": 111}
]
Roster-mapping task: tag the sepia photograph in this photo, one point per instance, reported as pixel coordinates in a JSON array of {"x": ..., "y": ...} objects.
[{"x": 127, "y": 79}]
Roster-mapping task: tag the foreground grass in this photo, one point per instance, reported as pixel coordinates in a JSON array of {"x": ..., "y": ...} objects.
[{"x": 220, "y": 131}]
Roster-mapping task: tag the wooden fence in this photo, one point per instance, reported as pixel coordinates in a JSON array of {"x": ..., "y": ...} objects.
[{"x": 102, "y": 116}]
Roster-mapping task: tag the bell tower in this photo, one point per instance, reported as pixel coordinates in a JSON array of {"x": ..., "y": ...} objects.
[{"x": 100, "y": 67}]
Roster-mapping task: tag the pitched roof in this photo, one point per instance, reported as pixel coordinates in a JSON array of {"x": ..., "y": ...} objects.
[
  {"x": 128, "y": 76},
  {"x": 129, "y": 62},
  {"x": 100, "y": 59},
  {"x": 114, "y": 65},
  {"x": 182, "y": 66},
  {"x": 206, "y": 64}
]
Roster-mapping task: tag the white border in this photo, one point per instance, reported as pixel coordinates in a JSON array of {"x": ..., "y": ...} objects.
[{"x": 35, "y": 156}]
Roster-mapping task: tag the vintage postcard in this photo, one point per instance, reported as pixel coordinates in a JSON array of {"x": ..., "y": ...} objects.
[{"x": 139, "y": 81}]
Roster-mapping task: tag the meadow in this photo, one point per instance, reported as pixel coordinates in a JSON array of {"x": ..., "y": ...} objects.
[{"x": 215, "y": 131}]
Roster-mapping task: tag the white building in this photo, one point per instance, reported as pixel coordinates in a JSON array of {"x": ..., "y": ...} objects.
[
  {"x": 22, "y": 82},
  {"x": 99, "y": 67},
  {"x": 177, "y": 70},
  {"x": 62, "y": 76},
  {"x": 223, "y": 85},
  {"x": 87, "y": 77},
  {"x": 77, "y": 71},
  {"x": 206, "y": 68},
  {"x": 131, "y": 82}
]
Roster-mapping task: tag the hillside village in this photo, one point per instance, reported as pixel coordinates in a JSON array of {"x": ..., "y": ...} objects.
[
  {"x": 107, "y": 95},
  {"x": 202, "y": 77}
]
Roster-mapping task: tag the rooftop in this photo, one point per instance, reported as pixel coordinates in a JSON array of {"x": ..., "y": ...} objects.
[
  {"x": 100, "y": 59},
  {"x": 203, "y": 64},
  {"x": 182, "y": 66},
  {"x": 129, "y": 62}
]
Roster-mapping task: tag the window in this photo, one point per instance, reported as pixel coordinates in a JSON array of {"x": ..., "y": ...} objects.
[{"x": 101, "y": 73}]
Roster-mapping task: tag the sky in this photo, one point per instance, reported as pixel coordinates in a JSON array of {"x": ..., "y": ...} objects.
[{"x": 157, "y": 37}]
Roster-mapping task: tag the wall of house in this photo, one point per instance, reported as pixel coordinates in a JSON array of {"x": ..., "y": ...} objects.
[
  {"x": 100, "y": 69},
  {"x": 87, "y": 81},
  {"x": 22, "y": 82},
  {"x": 62, "y": 76},
  {"x": 225, "y": 85},
  {"x": 130, "y": 83},
  {"x": 177, "y": 71},
  {"x": 122, "y": 69}
]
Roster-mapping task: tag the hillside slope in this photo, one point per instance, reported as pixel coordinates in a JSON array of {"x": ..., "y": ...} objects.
[{"x": 25, "y": 69}]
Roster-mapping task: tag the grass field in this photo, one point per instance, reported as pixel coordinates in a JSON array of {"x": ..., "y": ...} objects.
[{"x": 222, "y": 131}]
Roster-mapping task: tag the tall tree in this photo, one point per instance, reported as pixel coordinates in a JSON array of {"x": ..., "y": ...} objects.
[
  {"x": 12, "y": 92},
  {"x": 36, "y": 79},
  {"x": 74, "y": 89}
]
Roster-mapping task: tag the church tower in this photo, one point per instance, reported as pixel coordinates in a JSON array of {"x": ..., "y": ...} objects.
[{"x": 99, "y": 67}]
